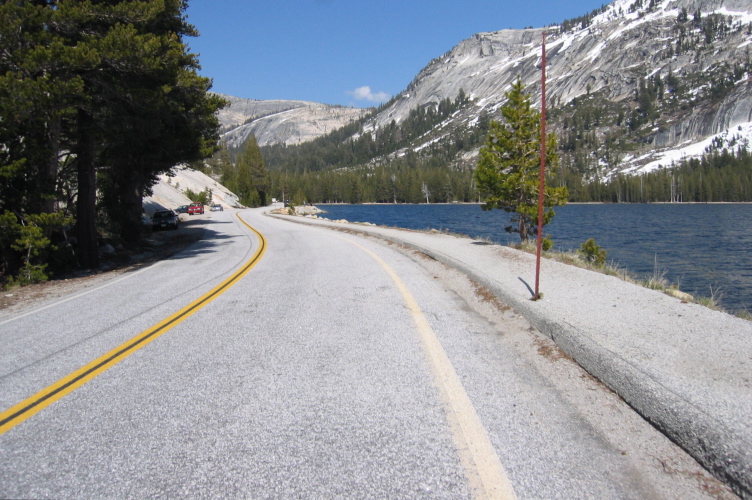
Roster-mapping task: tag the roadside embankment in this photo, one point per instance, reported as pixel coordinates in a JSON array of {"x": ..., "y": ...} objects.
[{"x": 685, "y": 368}]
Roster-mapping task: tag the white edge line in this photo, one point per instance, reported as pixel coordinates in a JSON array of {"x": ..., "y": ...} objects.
[{"x": 79, "y": 295}]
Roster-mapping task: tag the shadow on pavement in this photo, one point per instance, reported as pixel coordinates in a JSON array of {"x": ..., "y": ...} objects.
[
  {"x": 192, "y": 238},
  {"x": 532, "y": 293}
]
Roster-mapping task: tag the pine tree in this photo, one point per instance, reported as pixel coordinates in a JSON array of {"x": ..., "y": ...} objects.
[
  {"x": 251, "y": 181},
  {"x": 31, "y": 108},
  {"x": 149, "y": 107},
  {"x": 111, "y": 85},
  {"x": 508, "y": 169},
  {"x": 259, "y": 172}
]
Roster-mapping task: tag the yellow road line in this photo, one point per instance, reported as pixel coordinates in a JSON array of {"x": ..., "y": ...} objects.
[
  {"x": 29, "y": 407},
  {"x": 484, "y": 471}
]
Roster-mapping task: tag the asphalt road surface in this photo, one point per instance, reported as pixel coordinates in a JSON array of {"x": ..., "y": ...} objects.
[{"x": 288, "y": 361}]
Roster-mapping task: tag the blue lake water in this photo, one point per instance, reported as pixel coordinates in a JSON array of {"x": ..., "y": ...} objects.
[{"x": 704, "y": 248}]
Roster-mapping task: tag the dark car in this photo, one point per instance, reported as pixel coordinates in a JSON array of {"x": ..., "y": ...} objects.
[
  {"x": 163, "y": 219},
  {"x": 182, "y": 209}
]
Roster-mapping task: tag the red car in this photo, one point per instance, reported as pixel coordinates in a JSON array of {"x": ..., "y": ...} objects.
[{"x": 195, "y": 208}]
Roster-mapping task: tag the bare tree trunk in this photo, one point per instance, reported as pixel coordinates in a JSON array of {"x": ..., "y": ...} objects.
[
  {"x": 522, "y": 220},
  {"x": 523, "y": 228},
  {"x": 88, "y": 249},
  {"x": 49, "y": 172},
  {"x": 132, "y": 198}
]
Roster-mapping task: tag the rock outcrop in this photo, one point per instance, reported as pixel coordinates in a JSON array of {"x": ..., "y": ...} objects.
[
  {"x": 288, "y": 122},
  {"x": 702, "y": 44},
  {"x": 611, "y": 52}
]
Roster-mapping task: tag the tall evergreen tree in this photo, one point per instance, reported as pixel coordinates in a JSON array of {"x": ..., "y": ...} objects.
[
  {"x": 508, "y": 169},
  {"x": 31, "y": 106},
  {"x": 250, "y": 179},
  {"x": 259, "y": 172},
  {"x": 110, "y": 86}
]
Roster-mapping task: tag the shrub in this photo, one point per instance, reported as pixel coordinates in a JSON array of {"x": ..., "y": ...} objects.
[
  {"x": 547, "y": 243},
  {"x": 712, "y": 302},
  {"x": 28, "y": 239},
  {"x": 204, "y": 197},
  {"x": 592, "y": 252}
]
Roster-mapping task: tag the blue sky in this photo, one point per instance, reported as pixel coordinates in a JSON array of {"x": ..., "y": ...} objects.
[{"x": 354, "y": 53}]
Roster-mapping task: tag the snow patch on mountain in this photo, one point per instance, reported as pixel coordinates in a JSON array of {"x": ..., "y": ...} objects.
[
  {"x": 611, "y": 53},
  {"x": 729, "y": 140}
]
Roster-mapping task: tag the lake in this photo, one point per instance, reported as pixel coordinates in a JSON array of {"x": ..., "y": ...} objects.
[{"x": 706, "y": 249}]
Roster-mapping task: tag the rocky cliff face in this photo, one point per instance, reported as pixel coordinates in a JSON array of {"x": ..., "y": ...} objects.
[
  {"x": 676, "y": 72},
  {"x": 289, "y": 122},
  {"x": 702, "y": 44}
]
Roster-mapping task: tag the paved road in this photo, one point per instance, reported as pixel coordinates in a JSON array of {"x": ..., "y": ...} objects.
[{"x": 337, "y": 367}]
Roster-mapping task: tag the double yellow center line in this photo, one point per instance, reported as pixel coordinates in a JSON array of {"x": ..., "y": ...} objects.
[{"x": 36, "y": 403}]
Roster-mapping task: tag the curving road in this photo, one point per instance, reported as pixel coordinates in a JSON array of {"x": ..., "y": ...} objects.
[{"x": 336, "y": 367}]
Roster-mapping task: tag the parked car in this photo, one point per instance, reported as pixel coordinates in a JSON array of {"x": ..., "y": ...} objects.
[
  {"x": 217, "y": 208},
  {"x": 182, "y": 209},
  {"x": 195, "y": 208},
  {"x": 163, "y": 219}
]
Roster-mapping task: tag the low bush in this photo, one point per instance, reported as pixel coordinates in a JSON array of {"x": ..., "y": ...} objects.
[
  {"x": 593, "y": 253},
  {"x": 28, "y": 245}
]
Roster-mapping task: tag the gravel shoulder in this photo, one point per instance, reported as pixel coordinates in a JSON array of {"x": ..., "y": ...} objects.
[{"x": 685, "y": 368}]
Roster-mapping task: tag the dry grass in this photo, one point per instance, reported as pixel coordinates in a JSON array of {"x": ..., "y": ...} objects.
[
  {"x": 712, "y": 301},
  {"x": 550, "y": 350},
  {"x": 487, "y": 295},
  {"x": 744, "y": 314},
  {"x": 656, "y": 282}
]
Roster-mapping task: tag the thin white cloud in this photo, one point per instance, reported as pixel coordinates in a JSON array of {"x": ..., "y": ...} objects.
[{"x": 365, "y": 94}]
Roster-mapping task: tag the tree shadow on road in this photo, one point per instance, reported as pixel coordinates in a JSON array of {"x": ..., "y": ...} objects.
[{"x": 192, "y": 238}]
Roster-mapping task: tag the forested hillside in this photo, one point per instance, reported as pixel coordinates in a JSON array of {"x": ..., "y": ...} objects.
[{"x": 352, "y": 165}]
